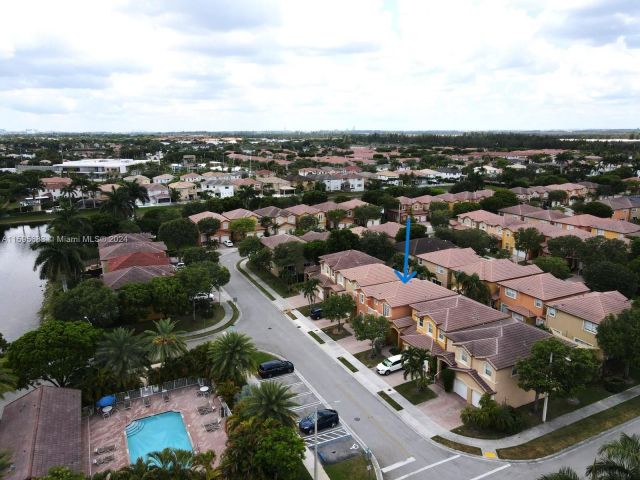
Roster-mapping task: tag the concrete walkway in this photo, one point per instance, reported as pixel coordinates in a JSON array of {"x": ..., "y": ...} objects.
[
  {"x": 415, "y": 418},
  {"x": 228, "y": 313}
]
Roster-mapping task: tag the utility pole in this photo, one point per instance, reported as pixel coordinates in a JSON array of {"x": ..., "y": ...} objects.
[{"x": 315, "y": 446}]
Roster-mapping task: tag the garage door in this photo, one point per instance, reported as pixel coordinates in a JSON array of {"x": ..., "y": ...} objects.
[
  {"x": 460, "y": 388},
  {"x": 475, "y": 398}
]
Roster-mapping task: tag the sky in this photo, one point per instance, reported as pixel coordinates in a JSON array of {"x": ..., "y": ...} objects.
[{"x": 221, "y": 65}]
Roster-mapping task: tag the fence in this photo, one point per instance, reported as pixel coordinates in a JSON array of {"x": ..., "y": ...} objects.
[{"x": 151, "y": 390}]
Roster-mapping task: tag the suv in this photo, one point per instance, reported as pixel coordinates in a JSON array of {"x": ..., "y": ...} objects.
[
  {"x": 274, "y": 367},
  {"x": 315, "y": 313},
  {"x": 327, "y": 418},
  {"x": 389, "y": 365}
]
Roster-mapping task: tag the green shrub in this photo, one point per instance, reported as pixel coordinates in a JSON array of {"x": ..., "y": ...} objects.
[
  {"x": 614, "y": 384},
  {"x": 448, "y": 376},
  {"x": 493, "y": 417},
  {"x": 395, "y": 351}
]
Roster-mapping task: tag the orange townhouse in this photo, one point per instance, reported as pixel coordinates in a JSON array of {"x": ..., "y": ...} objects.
[
  {"x": 624, "y": 208},
  {"x": 488, "y": 222},
  {"x": 527, "y": 298},
  {"x": 606, "y": 227}
]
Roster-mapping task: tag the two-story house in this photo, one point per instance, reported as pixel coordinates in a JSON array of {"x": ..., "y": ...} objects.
[
  {"x": 187, "y": 190},
  {"x": 303, "y": 210},
  {"x": 443, "y": 263},
  {"x": 546, "y": 230},
  {"x": 218, "y": 187},
  {"x": 239, "y": 213},
  {"x": 329, "y": 266},
  {"x": 624, "y": 208},
  {"x": 163, "y": 179},
  {"x": 576, "y": 319},
  {"x": 282, "y": 221},
  {"x": 223, "y": 232},
  {"x": 417, "y": 208},
  {"x": 606, "y": 227},
  {"x": 273, "y": 241},
  {"x": 355, "y": 278},
  {"x": 54, "y": 186},
  {"x": 486, "y": 221},
  {"x": 526, "y": 298}
]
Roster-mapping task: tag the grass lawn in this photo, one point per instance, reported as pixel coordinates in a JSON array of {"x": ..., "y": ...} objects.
[
  {"x": 301, "y": 473},
  {"x": 390, "y": 400},
  {"x": 365, "y": 358},
  {"x": 408, "y": 391},
  {"x": 185, "y": 322},
  {"x": 351, "y": 469},
  {"x": 469, "y": 431},
  {"x": 335, "y": 334},
  {"x": 270, "y": 279},
  {"x": 347, "y": 364},
  {"x": 315, "y": 336},
  {"x": 261, "y": 357},
  {"x": 306, "y": 310},
  {"x": 39, "y": 217},
  {"x": 457, "y": 446},
  {"x": 571, "y": 434}
]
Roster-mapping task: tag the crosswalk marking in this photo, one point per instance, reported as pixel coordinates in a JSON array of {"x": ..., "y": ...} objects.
[
  {"x": 428, "y": 467},
  {"x": 399, "y": 464}
]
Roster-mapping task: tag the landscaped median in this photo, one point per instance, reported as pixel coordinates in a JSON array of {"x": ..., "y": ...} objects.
[
  {"x": 461, "y": 447},
  {"x": 574, "y": 433},
  {"x": 396, "y": 406}
]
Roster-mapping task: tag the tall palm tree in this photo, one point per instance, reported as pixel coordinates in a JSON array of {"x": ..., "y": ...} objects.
[
  {"x": 137, "y": 193},
  {"x": 232, "y": 357},
  {"x": 172, "y": 463},
  {"x": 7, "y": 381},
  {"x": 81, "y": 184},
  {"x": 618, "y": 460},
  {"x": 33, "y": 184},
  {"x": 166, "y": 342},
  {"x": 472, "y": 287},
  {"x": 118, "y": 203},
  {"x": 93, "y": 189},
  {"x": 266, "y": 223},
  {"x": 270, "y": 400},
  {"x": 123, "y": 353},
  {"x": 203, "y": 465},
  {"x": 69, "y": 191},
  {"x": 310, "y": 290},
  {"x": 414, "y": 360},
  {"x": 565, "y": 473},
  {"x": 68, "y": 222},
  {"x": 59, "y": 261}
]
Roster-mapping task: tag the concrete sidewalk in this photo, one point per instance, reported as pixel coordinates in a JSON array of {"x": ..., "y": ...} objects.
[
  {"x": 228, "y": 314},
  {"x": 416, "y": 419}
]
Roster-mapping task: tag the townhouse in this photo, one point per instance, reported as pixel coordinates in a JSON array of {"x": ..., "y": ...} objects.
[
  {"x": 330, "y": 264},
  {"x": 572, "y": 190},
  {"x": 624, "y": 208},
  {"x": 390, "y": 229},
  {"x": 606, "y": 227},
  {"x": 576, "y": 319},
  {"x": 418, "y": 246},
  {"x": 526, "y": 298},
  {"x": 355, "y": 278},
  {"x": 303, "y": 210},
  {"x": 348, "y": 207},
  {"x": 223, "y": 232},
  {"x": 282, "y": 221},
  {"x": 239, "y": 213},
  {"x": 518, "y": 212},
  {"x": 273, "y": 241},
  {"x": 548, "y": 232},
  {"x": 486, "y": 221},
  {"x": 443, "y": 263},
  {"x": 417, "y": 208}
]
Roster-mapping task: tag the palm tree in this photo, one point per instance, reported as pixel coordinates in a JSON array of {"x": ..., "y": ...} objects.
[
  {"x": 310, "y": 290},
  {"x": 118, "y": 203},
  {"x": 334, "y": 217},
  {"x": 33, "y": 184},
  {"x": 565, "y": 473},
  {"x": 69, "y": 192},
  {"x": 59, "y": 261},
  {"x": 266, "y": 223},
  {"x": 68, "y": 222},
  {"x": 165, "y": 342},
  {"x": 414, "y": 360},
  {"x": 81, "y": 184},
  {"x": 92, "y": 189},
  {"x": 123, "y": 353},
  {"x": 174, "y": 195},
  {"x": 232, "y": 357},
  {"x": 203, "y": 465},
  {"x": 618, "y": 460},
  {"x": 136, "y": 193},
  {"x": 270, "y": 400},
  {"x": 5, "y": 462},
  {"x": 172, "y": 462},
  {"x": 472, "y": 287}
]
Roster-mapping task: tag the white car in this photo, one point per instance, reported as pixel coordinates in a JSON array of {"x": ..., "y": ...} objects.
[
  {"x": 227, "y": 243},
  {"x": 204, "y": 296},
  {"x": 389, "y": 365}
]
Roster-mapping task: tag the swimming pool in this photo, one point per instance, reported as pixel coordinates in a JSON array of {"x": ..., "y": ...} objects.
[{"x": 155, "y": 433}]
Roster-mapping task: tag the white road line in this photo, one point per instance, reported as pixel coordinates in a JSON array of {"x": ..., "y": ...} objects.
[
  {"x": 428, "y": 467},
  {"x": 491, "y": 472},
  {"x": 399, "y": 464}
]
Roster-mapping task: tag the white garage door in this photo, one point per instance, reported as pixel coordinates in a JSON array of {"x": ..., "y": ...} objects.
[
  {"x": 475, "y": 398},
  {"x": 460, "y": 388}
]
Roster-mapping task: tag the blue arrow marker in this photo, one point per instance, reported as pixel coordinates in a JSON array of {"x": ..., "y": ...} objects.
[{"x": 406, "y": 276}]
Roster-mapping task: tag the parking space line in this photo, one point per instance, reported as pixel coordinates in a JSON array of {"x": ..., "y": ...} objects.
[
  {"x": 428, "y": 467},
  {"x": 491, "y": 472},
  {"x": 399, "y": 464},
  {"x": 295, "y": 409}
]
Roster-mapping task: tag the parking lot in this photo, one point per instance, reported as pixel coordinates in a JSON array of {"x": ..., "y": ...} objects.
[{"x": 334, "y": 444}]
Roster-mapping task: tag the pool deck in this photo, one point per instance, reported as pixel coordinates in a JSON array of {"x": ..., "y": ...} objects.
[{"x": 102, "y": 432}]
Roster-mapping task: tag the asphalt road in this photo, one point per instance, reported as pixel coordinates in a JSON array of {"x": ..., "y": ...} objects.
[{"x": 403, "y": 452}]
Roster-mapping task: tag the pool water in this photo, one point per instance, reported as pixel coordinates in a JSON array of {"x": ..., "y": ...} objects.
[{"x": 155, "y": 433}]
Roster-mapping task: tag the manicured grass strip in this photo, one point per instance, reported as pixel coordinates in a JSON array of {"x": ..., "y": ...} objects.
[
  {"x": 390, "y": 400},
  {"x": 250, "y": 278},
  {"x": 571, "y": 434},
  {"x": 334, "y": 334},
  {"x": 347, "y": 364},
  {"x": 291, "y": 316},
  {"x": 232, "y": 321},
  {"x": 316, "y": 337},
  {"x": 261, "y": 357},
  {"x": 270, "y": 279},
  {"x": 469, "y": 431},
  {"x": 408, "y": 390},
  {"x": 351, "y": 469},
  {"x": 461, "y": 447}
]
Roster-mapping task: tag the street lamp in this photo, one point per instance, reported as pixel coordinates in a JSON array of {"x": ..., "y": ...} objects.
[
  {"x": 546, "y": 397},
  {"x": 315, "y": 445}
]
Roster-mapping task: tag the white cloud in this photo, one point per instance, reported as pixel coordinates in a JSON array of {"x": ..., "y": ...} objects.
[{"x": 254, "y": 64}]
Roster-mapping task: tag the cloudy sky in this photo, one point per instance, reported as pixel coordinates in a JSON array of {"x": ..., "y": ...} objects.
[{"x": 333, "y": 64}]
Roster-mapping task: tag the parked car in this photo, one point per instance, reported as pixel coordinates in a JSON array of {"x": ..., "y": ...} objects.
[
  {"x": 274, "y": 367},
  {"x": 315, "y": 313},
  {"x": 227, "y": 243},
  {"x": 180, "y": 265},
  {"x": 204, "y": 296},
  {"x": 327, "y": 418},
  {"x": 391, "y": 364}
]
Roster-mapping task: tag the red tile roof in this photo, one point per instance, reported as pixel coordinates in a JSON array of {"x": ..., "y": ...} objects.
[
  {"x": 398, "y": 294},
  {"x": 391, "y": 229},
  {"x": 239, "y": 213},
  {"x": 117, "y": 279},
  {"x": 195, "y": 218},
  {"x": 593, "y": 306},
  {"x": 303, "y": 209},
  {"x": 457, "y": 312},
  {"x": 347, "y": 259},
  {"x": 140, "y": 259},
  {"x": 497, "y": 270},
  {"x": 119, "y": 249},
  {"x": 451, "y": 257},
  {"x": 372, "y": 274},
  {"x": 274, "y": 240},
  {"x": 545, "y": 286}
]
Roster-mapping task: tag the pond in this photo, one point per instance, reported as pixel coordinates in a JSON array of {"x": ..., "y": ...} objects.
[{"x": 21, "y": 290}]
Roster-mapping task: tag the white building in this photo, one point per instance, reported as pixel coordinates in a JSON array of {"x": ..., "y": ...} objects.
[
  {"x": 164, "y": 179},
  {"x": 353, "y": 183},
  {"x": 218, "y": 188},
  {"x": 101, "y": 168}
]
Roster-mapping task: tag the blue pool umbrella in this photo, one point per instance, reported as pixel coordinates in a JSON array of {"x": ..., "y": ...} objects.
[{"x": 106, "y": 401}]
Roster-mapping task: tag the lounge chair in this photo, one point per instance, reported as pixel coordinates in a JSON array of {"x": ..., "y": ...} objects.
[
  {"x": 146, "y": 401},
  {"x": 204, "y": 410},
  {"x": 103, "y": 460},
  {"x": 211, "y": 426},
  {"x": 107, "y": 449}
]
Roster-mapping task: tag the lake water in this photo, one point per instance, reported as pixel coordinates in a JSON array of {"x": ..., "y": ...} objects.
[{"x": 21, "y": 289}]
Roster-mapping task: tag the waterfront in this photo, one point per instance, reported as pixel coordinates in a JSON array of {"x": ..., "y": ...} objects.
[{"x": 21, "y": 289}]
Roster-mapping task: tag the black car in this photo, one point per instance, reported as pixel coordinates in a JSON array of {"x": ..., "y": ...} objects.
[
  {"x": 327, "y": 418},
  {"x": 274, "y": 367},
  {"x": 316, "y": 313}
]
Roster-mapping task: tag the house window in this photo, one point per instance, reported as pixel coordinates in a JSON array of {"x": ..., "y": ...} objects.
[
  {"x": 440, "y": 335},
  {"x": 386, "y": 311},
  {"x": 599, "y": 231},
  {"x": 551, "y": 312},
  {"x": 590, "y": 327},
  {"x": 464, "y": 358},
  {"x": 510, "y": 293},
  {"x": 439, "y": 269},
  {"x": 430, "y": 329},
  {"x": 362, "y": 298},
  {"x": 582, "y": 342},
  {"x": 488, "y": 371},
  {"x": 421, "y": 322},
  {"x": 538, "y": 303},
  {"x": 508, "y": 233}
]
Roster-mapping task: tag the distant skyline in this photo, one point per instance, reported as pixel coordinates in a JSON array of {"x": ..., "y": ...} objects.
[{"x": 225, "y": 65}]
